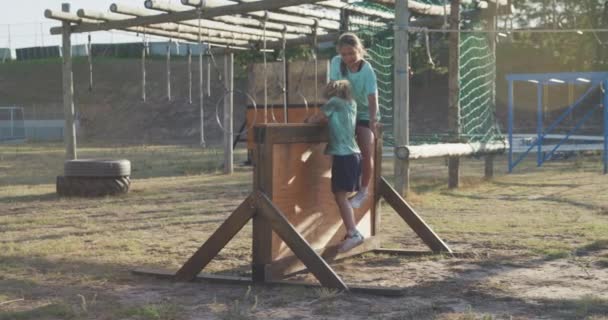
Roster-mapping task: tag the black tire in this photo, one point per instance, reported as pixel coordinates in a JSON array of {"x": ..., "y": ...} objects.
[
  {"x": 92, "y": 186},
  {"x": 96, "y": 168}
]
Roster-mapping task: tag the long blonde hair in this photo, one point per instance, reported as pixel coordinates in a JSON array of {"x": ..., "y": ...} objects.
[{"x": 338, "y": 88}]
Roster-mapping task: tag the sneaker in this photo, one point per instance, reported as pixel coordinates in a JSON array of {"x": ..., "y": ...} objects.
[
  {"x": 350, "y": 242},
  {"x": 357, "y": 201}
]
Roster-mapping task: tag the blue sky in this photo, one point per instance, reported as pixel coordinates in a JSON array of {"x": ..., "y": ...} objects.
[{"x": 29, "y": 27}]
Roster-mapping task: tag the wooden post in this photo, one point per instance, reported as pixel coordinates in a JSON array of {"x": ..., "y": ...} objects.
[
  {"x": 401, "y": 94},
  {"x": 491, "y": 26},
  {"x": 454, "y": 88},
  {"x": 69, "y": 132},
  {"x": 228, "y": 107}
]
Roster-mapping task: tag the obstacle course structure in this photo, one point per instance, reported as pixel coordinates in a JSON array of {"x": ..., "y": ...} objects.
[{"x": 296, "y": 222}]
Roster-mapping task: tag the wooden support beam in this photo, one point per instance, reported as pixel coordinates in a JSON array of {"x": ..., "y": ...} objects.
[
  {"x": 69, "y": 131},
  {"x": 426, "y": 151},
  {"x": 218, "y": 240},
  {"x": 319, "y": 267},
  {"x": 410, "y": 216},
  {"x": 189, "y": 15},
  {"x": 236, "y": 280}
]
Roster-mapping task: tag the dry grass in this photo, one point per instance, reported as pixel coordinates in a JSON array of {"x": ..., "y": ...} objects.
[{"x": 70, "y": 258}]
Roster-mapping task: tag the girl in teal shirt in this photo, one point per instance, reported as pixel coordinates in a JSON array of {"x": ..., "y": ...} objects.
[
  {"x": 340, "y": 114},
  {"x": 349, "y": 65}
]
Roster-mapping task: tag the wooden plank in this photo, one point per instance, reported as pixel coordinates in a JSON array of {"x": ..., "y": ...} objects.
[
  {"x": 227, "y": 230},
  {"x": 229, "y": 279},
  {"x": 290, "y": 133},
  {"x": 420, "y": 253},
  {"x": 321, "y": 270},
  {"x": 410, "y": 216},
  {"x": 302, "y": 191},
  {"x": 291, "y": 264},
  {"x": 191, "y": 15}
]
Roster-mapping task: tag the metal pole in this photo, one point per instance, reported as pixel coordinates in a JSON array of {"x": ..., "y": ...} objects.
[
  {"x": 605, "y": 126},
  {"x": 12, "y": 124},
  {"x": 284, "y": 77},
  {"x": 228, "y": 109},
  {"x": 401, "y": 95},
  {"x": 189, "y": 74},
  {"x": 169, "y": 70},
  {"x": 68, "y": 89},
  {"x": 539, "y": 125},
  {"x": 143, "y": 69},
  {"x": 511, "y": 117}
]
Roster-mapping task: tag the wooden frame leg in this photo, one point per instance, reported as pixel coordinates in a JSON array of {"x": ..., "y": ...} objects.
[
  {"x": 410, "y": 216},
  {"x": 217, "y": 240},
  {"x": 319, "y": 267}
]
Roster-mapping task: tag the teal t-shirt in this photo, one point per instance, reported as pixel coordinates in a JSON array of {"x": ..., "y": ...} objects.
[
  {"x": 342, "y": 119},
  {"x": 363, "y": 83}
]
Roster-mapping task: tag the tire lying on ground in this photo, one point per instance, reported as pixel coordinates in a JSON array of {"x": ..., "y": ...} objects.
[{"x": 94, "y": 178}]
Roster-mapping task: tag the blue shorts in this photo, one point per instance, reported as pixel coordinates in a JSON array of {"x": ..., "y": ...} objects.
[{"x": 346, "y": 173}]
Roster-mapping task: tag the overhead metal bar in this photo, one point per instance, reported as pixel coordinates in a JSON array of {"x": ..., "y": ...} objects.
[{"x": 208, "y": 13}]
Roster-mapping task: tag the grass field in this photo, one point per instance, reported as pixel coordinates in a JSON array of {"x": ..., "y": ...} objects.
[{"x": 538, "y": 238}]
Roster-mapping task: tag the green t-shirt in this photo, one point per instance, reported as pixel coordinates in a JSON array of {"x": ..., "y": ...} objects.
[
  {"x": 362, "y": 82},
  {"x": 342, "y": 120}
]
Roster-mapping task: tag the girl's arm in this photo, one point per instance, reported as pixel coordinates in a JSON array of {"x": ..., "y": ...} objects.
[
  {"x": 372, "y": 102},
  {"x": 318, "y": 117}
]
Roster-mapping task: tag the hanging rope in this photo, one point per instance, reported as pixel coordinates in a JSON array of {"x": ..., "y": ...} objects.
[
  {"x": 314, "y": 56},
  {"x": 169, "y": 70},
  {"x": 89, "y": 47},
  {"x": 284, "y": 57},
  {"x": 143, "y": 66},
  {"x": 189, "y": 74},
  {"x": 428, "y": 48},
  {"x": 445, "y": 15},
  {"x": 201, "y": 93}
]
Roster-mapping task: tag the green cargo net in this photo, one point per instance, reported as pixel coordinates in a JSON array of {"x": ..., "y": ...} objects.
[{"x": 477, "y": 80}]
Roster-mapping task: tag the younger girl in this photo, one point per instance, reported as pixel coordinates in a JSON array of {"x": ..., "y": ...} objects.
[{"x": 340, "y": 113}]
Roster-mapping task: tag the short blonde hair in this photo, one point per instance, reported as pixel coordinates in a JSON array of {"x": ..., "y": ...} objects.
[{"x": 338, "y": 88}]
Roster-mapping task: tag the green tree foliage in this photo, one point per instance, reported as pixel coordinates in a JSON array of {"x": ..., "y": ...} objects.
[{"x": 550, "y": 51}]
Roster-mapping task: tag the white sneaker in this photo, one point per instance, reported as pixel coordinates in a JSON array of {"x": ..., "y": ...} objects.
[
  {"x": 350, "y": 242},
  {"x": 357, "y": 201}
]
